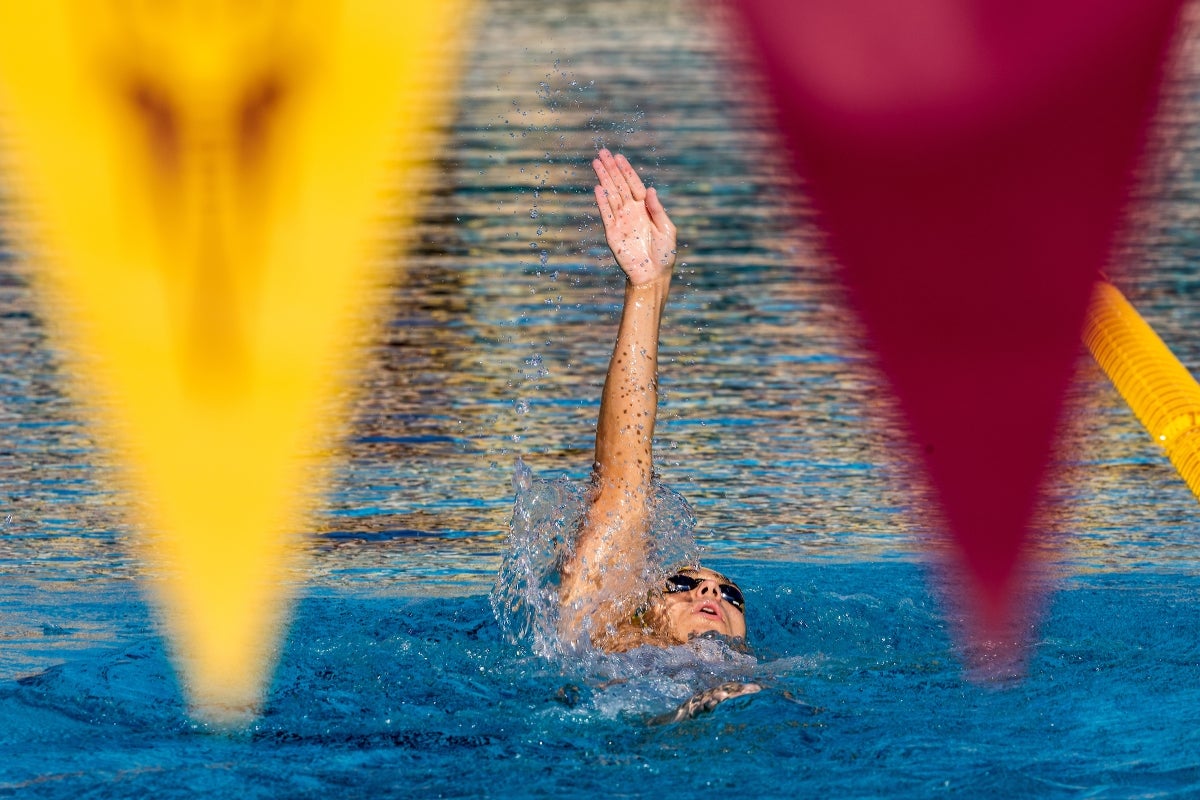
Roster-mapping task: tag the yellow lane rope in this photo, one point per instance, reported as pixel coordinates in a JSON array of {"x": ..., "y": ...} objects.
[{"x": 1157, "y": 387}]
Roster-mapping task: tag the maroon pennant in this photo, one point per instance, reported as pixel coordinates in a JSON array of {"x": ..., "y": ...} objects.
[{"x": 969, "y": 161}]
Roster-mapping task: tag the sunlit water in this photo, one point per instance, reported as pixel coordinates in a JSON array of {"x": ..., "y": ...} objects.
[{"x": 397, "y": 678}]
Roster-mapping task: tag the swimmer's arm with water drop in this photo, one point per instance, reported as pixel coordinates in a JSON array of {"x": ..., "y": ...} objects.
[{"x": 611, "y": 551}]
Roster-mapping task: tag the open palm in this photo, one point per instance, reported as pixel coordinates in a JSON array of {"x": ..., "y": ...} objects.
[{"x": 636, "y": 225}]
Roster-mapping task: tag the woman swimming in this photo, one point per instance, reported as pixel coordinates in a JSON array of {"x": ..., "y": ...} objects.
[{"x": 602, "y": 582}]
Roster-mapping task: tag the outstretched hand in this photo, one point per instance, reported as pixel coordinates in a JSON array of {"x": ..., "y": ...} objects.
[
  {"x": 636, "y": 225},
  {"x": 705, "y": 701}
]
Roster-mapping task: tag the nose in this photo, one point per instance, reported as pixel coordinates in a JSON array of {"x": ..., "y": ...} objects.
[{"x": 709, "y": 587}]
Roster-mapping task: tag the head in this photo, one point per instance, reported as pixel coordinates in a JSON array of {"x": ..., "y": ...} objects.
[{"x": 696, "y": 600}]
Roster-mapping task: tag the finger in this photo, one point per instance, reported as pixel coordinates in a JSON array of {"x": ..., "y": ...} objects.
[
  {"x": 606, "y": 209},
  {"x": 598, "y": 168},
  {"x": 614, "y": 172},
  {"x": 611, "y": 192},
  {"x": 636, "y": 188},
  {"x": 658, "y": 214}
]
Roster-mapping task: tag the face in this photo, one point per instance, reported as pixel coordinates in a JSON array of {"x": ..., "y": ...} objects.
[{"x": 688, "y": 613}]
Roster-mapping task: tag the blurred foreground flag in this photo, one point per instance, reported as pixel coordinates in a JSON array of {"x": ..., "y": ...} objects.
[
  {"x": 969, "y": 161},
  {"x": 202, "y": 184}
]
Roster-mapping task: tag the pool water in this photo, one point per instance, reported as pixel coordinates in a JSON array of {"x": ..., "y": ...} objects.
[
  {"x": 397, "y": 678},
  {"x": 863, "y": 696}
]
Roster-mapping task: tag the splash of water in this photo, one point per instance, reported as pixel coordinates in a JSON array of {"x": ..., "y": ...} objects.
[{"x": 546, "y": 519}]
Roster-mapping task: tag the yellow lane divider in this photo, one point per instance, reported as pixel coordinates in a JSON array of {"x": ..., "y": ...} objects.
[{"x": 1157, "y": 387}]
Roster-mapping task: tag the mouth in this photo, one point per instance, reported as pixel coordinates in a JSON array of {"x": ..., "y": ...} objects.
[{"x": 711, "y": 610}]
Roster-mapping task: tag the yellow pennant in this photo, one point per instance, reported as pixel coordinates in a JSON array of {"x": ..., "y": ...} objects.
[{"x": 203, "y": 184}]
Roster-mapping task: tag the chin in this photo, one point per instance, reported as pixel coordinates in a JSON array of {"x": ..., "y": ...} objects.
[{"x": 704, "y": 626}]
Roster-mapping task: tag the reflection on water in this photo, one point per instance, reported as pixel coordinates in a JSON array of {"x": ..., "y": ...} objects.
[
  {"x": 504, "y": 322},
  {"x": 501, "y": 322}
]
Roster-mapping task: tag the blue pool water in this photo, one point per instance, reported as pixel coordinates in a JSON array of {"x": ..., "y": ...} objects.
[
  {"x": 395, "y": 677},
  {"x": 863, "y": 696}
]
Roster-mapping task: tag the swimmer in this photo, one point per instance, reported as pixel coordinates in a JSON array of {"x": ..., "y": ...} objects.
[{"x": 600, "y": 580}]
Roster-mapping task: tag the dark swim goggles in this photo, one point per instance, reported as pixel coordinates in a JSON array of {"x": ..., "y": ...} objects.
[{"x": 686, "y": 583}]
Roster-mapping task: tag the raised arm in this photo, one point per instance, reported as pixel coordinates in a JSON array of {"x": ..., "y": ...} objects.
[
  {"x": 611, "y": 550},
  {"x": 642, "y": 238}
]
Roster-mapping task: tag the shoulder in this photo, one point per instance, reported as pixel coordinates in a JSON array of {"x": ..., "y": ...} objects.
[{"x": 612, "y": 627}]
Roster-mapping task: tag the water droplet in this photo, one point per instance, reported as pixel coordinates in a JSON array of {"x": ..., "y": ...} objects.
[{"x": 533, "y": 214}]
